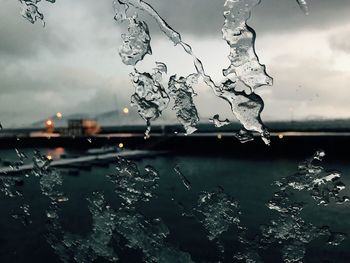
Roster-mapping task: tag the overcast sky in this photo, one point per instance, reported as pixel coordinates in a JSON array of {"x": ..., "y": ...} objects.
[{"x": 72, "y": 65}]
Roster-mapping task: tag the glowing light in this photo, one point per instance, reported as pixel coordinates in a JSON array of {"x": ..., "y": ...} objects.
[
  {"x": 280, "y": 136},
  {"x": 126, "y": 110},
  {"x": 59, "y": 115},
  {"x": 121, "y": 145},
  {"x": 219, "y": 136},
  {"x": 49, "y": 123},
  {"x": 49, "y": 157}
]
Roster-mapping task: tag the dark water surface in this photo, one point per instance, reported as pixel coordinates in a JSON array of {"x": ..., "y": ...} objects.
[{"x": 248, "y": 181}]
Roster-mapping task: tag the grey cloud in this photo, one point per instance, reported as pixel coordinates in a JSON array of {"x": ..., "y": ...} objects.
[
  {"x": 19, "y": 77},
  {"x": 308, "y": 88},
  {"x": 204, "y": 17},
  {"x": 22, "y": 39},
  {"x": 273, "y": 16},
  {"x": 340, "y": 41}
]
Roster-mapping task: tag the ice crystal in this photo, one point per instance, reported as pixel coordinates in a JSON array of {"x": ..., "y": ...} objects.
[
  {"x": 149, "y": 98},
  {"x": 245, "y": 65},
  {"x": 324, "y": 186},
  {"x": 289, "y": 228},
  {"x": 97, "y": 243},
  {"x": 180, "y": 89},
  {"x": 217, "y": 122},
  {"x": 244, "y": 136},
  {"x": 150, "y": 237},
  {"x": 132, "y": 186},
  {"x": 30, "y": 10},
  {"x": 219, "y": 211},
  {"x": 136, "y": 44},
  {"x": 41, "y": 164},
  {"x": 23, "y": 215}
]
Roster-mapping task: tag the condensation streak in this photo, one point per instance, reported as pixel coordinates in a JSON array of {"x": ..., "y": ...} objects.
[{"x": 303, "y": 6}]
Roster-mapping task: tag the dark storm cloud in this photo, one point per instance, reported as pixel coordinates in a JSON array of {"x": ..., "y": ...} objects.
[
  {"x": 20, "y": 38},
  {"x": 204, "y": 17},
  {"x": 19, "y": 77}
]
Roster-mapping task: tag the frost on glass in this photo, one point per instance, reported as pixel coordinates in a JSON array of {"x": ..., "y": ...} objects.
[
  {"x": 180, "y": 89},
  {"x": 303, "y": 6},
  {"x": 323, "y": 186},
  {"x": 141, "y": 233},
  {"x": 11, "y": 186},
  {"x": 136, "y": 44},
  {"x": 217, "y": 211},
  {"x": 217, "y": 122},
  {"x": 149, "y": 236},
  {"x": 149, "y": 98},
  {"x": 30, "y": 10},
  {"x": 244, "y": 68},
  {"x": 69, "y": 247},
  {"x": 98, "y": 242},
  {"x": 133, "y": 186},
  {"x": 290, "y": 229}
]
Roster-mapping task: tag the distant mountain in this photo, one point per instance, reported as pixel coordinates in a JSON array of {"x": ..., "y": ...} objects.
[
  {"x": 118, "y": 118},
  {"x": 110, "y": 118}
]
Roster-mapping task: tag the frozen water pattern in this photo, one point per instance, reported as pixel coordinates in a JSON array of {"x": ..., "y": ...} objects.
[
  {"x": 244, "y": 136},
  {"x": 131, "y": 185},
  {"x": 136, "y": 44},
  {"x": 30, "y": 10},
  {"x": 289, "y": 228},
  {"x": 141, "y": 233},
  {"x": 180, "y": 89},
  {"x": 218, "y": 211},
  {"x": 245, "y": 66},
  {"x": 303, "y": 6},
  {"x": 217, "y": 122},
  {"x": 23, "y": 215},
  {"x": 150, "y": 237},
  {"x": 41, "y": 164},
  {"x": 150, "y": 97},
  {"x": 97, "y": 243},
  {"x": 323, "y": 186},
  {"x": 11, "y": 187},
  {"x": 68, "y": 246}
]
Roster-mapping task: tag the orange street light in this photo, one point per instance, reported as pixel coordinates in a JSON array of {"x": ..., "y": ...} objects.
[
  {"x": 126, "y": 110},
  {"x": 49, "y": 125}
]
